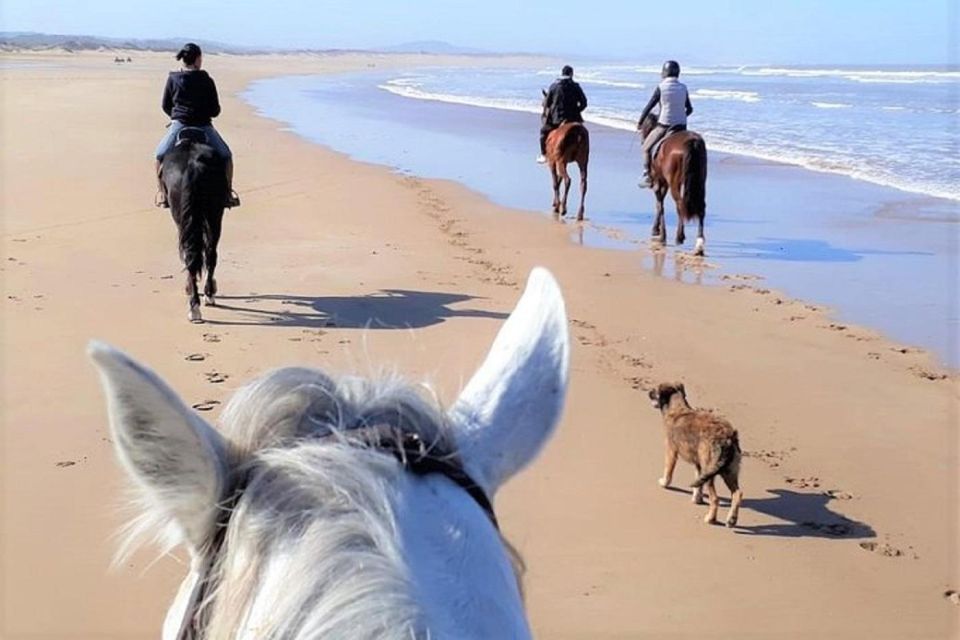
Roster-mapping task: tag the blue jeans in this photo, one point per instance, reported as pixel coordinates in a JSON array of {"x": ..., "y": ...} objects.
[{"x": 213, "y": 139}]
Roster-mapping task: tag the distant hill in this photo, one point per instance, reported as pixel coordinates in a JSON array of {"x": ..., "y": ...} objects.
[
  {"x": 18, "y": 40},
  {"x": 432, "y": 46},
  {"x": 10, "y": 40}
]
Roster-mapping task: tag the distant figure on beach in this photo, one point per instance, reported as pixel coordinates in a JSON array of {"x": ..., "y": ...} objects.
[
  {"x": 674, "y": 101},
  {"x": 190, "y": 99},
  {"x": 565, "y": 102}
]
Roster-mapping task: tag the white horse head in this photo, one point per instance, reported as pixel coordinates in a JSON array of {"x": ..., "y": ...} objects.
[{"x": 298, "y": 526}]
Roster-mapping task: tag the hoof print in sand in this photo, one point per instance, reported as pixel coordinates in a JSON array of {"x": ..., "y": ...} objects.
[
  {"x": 206, "y": 405},
  {"x": 211, "y": 337},
  {"x": 952, "y": 596},
  {"x": 195, "y": 357},
  {"x": 215, "y": 377}
]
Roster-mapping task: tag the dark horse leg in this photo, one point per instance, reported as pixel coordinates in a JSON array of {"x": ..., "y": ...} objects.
[
  {"x": 681, "y": 216},
  {"x": 701, "y": 241},
  {"x": 566, "y": 188},
  {"x": 659, "y": 230},
  {"x": 583, "y": 187},
  {"x": 194, "y": 314},
  {"x": 555, "y": 178},
  {"x": 214, "y": 225}
]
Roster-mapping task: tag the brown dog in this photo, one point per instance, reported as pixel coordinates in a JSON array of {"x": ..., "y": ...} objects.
[{"x": 706, "y": 441}]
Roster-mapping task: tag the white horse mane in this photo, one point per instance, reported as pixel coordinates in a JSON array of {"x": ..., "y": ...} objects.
[
  {"x": 298, "y": 528},
  {"x": 315, "y": 530}
]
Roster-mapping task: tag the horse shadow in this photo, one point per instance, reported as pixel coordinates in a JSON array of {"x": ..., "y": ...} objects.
[
  {"x": 803, "y": 515},
  {"x": 384, "y": 309}
]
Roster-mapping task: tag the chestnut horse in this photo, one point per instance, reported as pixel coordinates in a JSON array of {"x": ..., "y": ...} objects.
[
  {"x": 196, "y": 183},
  {"x": 570, "y": 142},
  {"x": 680, "y": 167}
]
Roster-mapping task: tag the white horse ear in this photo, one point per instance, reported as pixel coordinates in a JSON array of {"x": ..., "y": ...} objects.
[
  {"x": 177, "y": 460},
  {"x": 508, "y": 410}
]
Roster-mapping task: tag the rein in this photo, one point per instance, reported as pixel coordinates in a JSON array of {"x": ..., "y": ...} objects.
[{"x": 416, "y": 457}]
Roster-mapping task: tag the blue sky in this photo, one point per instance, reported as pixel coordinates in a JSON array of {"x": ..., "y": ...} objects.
[{"x": 700, "y": 31}]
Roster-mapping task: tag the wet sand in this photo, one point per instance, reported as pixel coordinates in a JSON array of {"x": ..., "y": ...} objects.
[{"x": 849, "y": 527}]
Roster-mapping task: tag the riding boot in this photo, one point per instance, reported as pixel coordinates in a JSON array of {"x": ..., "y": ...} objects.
[
  {"x": 233, "y": 200},
  {"x": 645, "y": 181},
  {"x": 160, "y": 200}
]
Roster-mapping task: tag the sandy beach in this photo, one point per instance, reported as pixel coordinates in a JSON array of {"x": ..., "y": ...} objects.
[{"x": 849, "y": 526}]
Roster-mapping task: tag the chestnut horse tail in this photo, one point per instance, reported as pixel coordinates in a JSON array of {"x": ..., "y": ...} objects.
[{"x": 694, "y": 178}]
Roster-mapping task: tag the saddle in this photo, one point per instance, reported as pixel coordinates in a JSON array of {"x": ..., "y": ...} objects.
[
  {"x": 191, "y": 134},
  {"x": 677, "y": 128}
]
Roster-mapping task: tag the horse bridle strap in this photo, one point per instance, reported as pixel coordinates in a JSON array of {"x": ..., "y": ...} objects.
[{"x": 407, "y": 447}]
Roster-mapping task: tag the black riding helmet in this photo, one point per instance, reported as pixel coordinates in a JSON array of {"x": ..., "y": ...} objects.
[{"x": 671, "y": 69}]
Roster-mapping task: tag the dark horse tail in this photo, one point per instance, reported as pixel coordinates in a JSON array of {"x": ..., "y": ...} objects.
[
  {"x": 694, "y": 193},
  {"x": 196, "y": 184},
  {"x": 576, "y": 138}
]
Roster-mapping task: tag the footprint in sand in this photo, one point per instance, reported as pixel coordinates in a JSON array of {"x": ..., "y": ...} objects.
[
  {"x": 639, "y": 383},
  {"x": 772, "y": 459},
  {"x": 837, "y": 494},
  {"x": 215, "y": 377},
  {"x": 196, "y": 357},
  {"x": 206, "y": 405},
  {"x": 882, "y": 548},
  {"x": 804, "y": 483},
  {"x": 926, "y": 374},
  {"x": 63, "y": 464},
  {"x": 211, "y": 337}
]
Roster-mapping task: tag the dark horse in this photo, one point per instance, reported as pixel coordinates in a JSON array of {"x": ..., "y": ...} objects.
[
  {"x": 570, "y": 142},
  {"x": 680, "y": 167},
  {"x": 196, "y": 183}
]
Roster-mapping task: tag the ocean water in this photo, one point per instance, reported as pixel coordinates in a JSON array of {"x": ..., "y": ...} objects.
[
  {"x": 877, "y": 255},
  {"x": 895, "y": 126}
]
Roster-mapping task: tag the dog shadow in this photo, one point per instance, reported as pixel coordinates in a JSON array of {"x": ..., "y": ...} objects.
[{"x": 802, "y": 515}]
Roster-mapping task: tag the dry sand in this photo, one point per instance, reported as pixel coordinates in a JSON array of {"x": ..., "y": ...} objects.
[{"x": 849, "y": 528}]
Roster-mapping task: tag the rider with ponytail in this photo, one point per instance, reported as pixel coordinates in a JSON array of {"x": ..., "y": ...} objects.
[{"x": 190, "y": 99}]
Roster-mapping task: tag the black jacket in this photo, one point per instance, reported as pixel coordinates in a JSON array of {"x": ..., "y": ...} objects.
[
  {"x": 565, "y": 100},
  {"x": 191, "y": 97}
]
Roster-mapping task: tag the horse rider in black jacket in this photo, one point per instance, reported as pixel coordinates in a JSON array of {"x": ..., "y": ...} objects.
[{"x": 563, "y": 102}]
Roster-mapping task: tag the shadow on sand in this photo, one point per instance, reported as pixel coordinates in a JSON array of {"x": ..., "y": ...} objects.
[
  {"x": 385, "y": 309},
  {"x": 804, "y": 515}
]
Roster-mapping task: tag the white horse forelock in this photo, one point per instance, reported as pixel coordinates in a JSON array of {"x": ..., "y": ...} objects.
[{"x": 314, "y": 547}]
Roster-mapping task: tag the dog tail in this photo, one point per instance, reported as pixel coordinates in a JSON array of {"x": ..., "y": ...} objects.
[{"x": 726, "y": 453}]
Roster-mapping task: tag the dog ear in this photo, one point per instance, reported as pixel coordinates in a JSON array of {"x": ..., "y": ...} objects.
[{"x": 654, "y": 395}]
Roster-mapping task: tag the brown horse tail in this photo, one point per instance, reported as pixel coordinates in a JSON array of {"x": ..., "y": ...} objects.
[
  {"x": 694, "y": 178},
  {"x": 729, "y": 451}
]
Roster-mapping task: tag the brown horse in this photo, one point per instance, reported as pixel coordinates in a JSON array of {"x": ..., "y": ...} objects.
[
  {"x": 570, "y": 142},
  {"x": 680, "y": 167}
]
